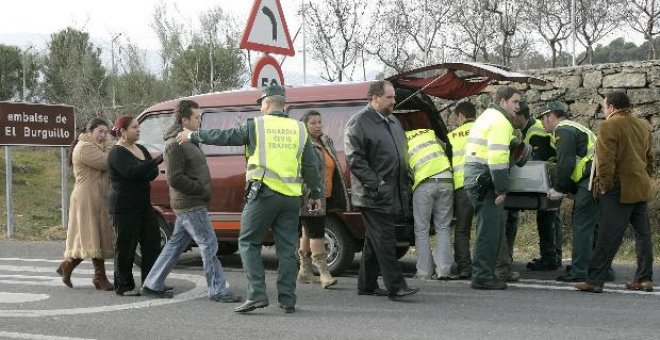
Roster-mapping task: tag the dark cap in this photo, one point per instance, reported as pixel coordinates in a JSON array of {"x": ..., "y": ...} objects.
[
  {"x": 552, "y": 107},
  {"x": 523, "y": 108},
  {"x": 273, "y": 90}
]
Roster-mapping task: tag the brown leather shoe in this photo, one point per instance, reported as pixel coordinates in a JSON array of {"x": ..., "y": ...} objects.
[
  {"x": 646, "y": 286},
  {"x": 586, "y": 287}
]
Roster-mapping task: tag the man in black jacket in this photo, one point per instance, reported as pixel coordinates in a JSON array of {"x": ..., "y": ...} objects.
[{"x": 376, "y": 150}]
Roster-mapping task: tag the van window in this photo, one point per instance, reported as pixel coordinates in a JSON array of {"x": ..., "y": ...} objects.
[
  {"x": 334, "y": 120},
  {"x": 151, "y": 131},
  {"x": 224, "y": 120}
]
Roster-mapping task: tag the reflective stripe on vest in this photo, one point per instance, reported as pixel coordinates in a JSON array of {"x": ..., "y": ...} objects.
[
  {"x": 458, "y": 139},
  {"x": 580, "y": 162},
  {"x": 280, "y": 142},
  {"x": 425, "y": 154},
  {"x": 489, "y": 139}
]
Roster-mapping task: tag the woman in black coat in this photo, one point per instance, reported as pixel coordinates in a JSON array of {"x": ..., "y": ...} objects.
[{"x": 131, "y": 170}]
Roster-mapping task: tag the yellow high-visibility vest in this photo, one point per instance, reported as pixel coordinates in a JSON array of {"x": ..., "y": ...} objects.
[
  {"x": 458, "y": 139},
  {"x": 280, "y": 142},
  {"x": 426, "y": 155},
  {"x": 538, "y": 130},
  {"x": 489, "y": 139},
  {"x": 580, "y": 162}
]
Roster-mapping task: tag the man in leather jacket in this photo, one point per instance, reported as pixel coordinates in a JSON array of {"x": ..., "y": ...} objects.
[{"x": 376, "y": 154}]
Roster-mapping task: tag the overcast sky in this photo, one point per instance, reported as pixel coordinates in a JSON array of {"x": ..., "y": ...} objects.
[
  {"x": 104, "y": 18},
  {"x": 131, "y": 18}
]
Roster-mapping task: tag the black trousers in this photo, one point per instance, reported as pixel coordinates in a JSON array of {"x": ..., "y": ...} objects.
[
  {"x": 546, "y": 222},
  {"x": 132, "y": 228},
  {"x": 464, "y": 213},
  {"x": 379, "y": 253},
  {"x": 615, "y": 218}
]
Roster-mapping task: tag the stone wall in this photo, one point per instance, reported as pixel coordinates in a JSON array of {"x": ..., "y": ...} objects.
[{"x": 582, "y": 89}]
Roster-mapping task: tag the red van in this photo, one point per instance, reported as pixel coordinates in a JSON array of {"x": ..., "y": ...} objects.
[{"x": 336, "y": 102}]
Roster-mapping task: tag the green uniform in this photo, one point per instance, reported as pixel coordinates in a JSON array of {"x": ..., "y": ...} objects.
[
  {"x": 277, "y": 203},
  {"x": 548, "y": 222},
  {"x": 487, "y": 151},
  {"x": 543, "y": 149},
  {"x": 575, "y": 147}
]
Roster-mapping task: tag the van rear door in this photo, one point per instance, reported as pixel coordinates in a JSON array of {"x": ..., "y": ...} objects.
[{"x": 455, "y": 81}]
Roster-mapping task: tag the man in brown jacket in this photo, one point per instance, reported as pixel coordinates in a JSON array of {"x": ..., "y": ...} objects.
[{"x": 623, "y": 185}]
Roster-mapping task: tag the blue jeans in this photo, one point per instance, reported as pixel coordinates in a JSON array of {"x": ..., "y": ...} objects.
[{"x": 194, "y": 225}]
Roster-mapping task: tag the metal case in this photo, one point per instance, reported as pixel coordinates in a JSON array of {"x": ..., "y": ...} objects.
[{"x": 528, "y": 187}]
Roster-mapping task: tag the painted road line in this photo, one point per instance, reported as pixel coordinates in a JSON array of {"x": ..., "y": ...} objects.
[
  {"x": 195, "y": 293},
  {"x": 12, "y": 335},
  {"x": 29, "y": 260},
  {"x": 21, "y": 297},
  {"x": 556, "y": 285},
  {"x": 37, "y": 280}
]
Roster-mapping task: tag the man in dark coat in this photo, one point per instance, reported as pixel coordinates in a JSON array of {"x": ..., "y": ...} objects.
[{"x": 376, "y": 155}]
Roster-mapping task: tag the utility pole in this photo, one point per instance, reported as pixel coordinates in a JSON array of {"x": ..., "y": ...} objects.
[
  {"x": 573, "y": 26},
  {"x": 426, "y": 33},
  {"x": 114, "y": 74},
  {"x": 25, "y": 53},
  {"x": 304, "y": 9}
]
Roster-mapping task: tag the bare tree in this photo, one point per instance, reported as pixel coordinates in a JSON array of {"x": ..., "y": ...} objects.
[
  {"x": 169, "y": 33},
  {"x": 643, "y": 16},
  {"x": 408, "y": 32},
  {"x": 338, "y": 33},
  {"x": 512, "y": 43},
  {"x": 474, "y": 30},
  {"x": 594, "y": 20},
  {"x": 548, "y": 18}
]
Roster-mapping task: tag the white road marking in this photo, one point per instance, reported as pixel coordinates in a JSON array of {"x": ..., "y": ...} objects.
[
  {"x": 12, "y": 335},
  {"x": 199, "y": 290},
  {"x": 33, "y": 280},
  {"x": 557, "y": 285},
  {"x": 21, "y": 297},
  {"x": 28, "y": 260}
]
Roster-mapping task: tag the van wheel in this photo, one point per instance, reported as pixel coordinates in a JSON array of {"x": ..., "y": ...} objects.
[
  {"x": 402, "y": 251},
  {"x": 165, "y": 229},
  {"x": 227, "y": 248},
  {"x": 339, "y": 246}
]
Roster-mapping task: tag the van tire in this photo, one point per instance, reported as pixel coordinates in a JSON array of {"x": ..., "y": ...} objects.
[
  {"x": 339, "y": 246},
  {"x": 165, "y": 229},
  {"x": 227, "y": 248}
]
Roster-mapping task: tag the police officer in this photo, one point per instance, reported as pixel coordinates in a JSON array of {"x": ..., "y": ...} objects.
[
  {"x": 465, "y": 113},
  {"x": 575, "y": 150},
  {"x": 547, "y": 221},
  {"x": 279, "y": 158},
  {"x": 487, "y": 156},
  {"x": 433, "y": 195}
]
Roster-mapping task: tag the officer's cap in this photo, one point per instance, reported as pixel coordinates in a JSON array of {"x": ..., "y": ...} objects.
[
  {"x": 273, "y": 90},
  {"x": 552, "y": 107}
]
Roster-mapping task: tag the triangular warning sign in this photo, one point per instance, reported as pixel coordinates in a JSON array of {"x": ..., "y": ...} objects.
[{"x": 266, "y": 29}]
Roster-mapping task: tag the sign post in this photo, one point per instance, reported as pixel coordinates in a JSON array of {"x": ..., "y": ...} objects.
[
  {"x": 266, "y": 31},
  {"x": 9, "y": 193},
  {"x": 35, "y": 125}
]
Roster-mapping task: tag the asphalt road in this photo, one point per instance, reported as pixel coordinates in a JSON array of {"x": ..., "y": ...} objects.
[{"x": 34, "y": 304}]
